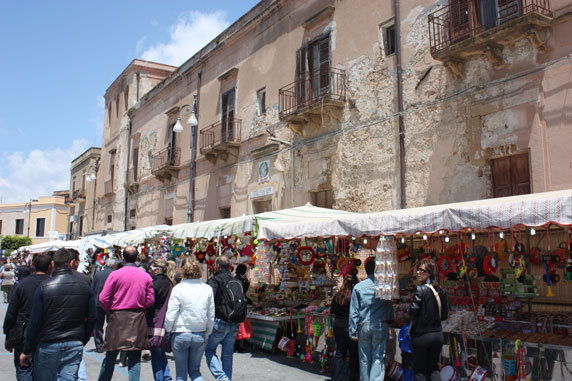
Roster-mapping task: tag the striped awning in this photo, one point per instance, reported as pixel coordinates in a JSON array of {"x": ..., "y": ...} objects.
[{"x": 528, "y": 210}]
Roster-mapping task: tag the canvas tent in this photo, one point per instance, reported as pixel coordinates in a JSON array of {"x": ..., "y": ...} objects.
[
  {"x": 51, "y": 246},
  {"x": 535, "y": 209}
]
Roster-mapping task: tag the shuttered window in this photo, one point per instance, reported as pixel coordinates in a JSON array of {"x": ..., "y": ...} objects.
[{"x": 511, "y": 175}]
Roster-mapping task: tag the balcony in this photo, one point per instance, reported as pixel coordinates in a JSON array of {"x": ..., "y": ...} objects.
[
  {"x": 321, "y": 90},
  {"x": 220, "y": 139},
  {"x": 78, "y": 194},
  {"x": 470, "y": 27},
  {"x": 108, "y": 187},
  {"x": 165, "y": 163}
]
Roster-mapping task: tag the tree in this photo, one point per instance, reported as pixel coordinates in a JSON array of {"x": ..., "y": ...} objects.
[{"x": 13, "y": 242}]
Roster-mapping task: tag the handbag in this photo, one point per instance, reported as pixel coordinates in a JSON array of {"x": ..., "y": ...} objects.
[{"x": 158, "y": 337}]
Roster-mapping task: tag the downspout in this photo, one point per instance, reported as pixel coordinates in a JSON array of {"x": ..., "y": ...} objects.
[
  {"x": 400, "y": 107},
  {"x": 191, "y": 206},
  {"x": 137, "y": 89},
  {"x": 126, "y": 189}
]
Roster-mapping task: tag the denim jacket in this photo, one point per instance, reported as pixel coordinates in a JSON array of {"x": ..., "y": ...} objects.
[{"x": 365, "y": 309}]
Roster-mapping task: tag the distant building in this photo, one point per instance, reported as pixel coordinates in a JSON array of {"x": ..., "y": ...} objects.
[
  {"x": 81, "y": 200},
  {"x": 42, "y": 220}
]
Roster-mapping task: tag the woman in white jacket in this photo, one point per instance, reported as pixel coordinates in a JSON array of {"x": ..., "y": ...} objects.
[{"x": 190, "y": 317}]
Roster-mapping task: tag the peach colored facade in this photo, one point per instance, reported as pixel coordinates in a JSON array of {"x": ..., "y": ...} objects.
[
  {"x": 43, "y": 217},
  {"x": 482, "y": 115}
]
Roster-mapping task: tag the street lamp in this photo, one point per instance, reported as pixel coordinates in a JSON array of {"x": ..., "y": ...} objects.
[
  {"x": 29, "y": 210},
  {"x": 178, "y": 127}
]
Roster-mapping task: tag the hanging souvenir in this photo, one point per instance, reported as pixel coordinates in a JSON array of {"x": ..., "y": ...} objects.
[{"x": 386, "y": 269}]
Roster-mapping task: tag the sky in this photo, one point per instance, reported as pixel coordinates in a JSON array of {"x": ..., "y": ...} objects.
[{"x": 58, "y": 57}]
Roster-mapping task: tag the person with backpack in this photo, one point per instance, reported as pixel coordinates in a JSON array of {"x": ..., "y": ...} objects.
[
  {"x": 190, "y": 318},
  {"x": 230, "y": 311}
]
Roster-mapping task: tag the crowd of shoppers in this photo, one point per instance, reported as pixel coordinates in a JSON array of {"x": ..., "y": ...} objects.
[{"x": 53, "y": 312}]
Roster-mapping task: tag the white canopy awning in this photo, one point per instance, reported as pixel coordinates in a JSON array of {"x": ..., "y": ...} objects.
[
  {"x": 528, "y": 210},
  {"x": 210, "y": 229},
  {"x": 133, "y": 237},
  {"x": 44, "y": 247}
]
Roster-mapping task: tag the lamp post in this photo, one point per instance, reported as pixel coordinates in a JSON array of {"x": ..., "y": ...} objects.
[
  {"x": 178, "y": 127},
  {"x": 93, "y": 177},
  {"x": 29, "y": 206}
]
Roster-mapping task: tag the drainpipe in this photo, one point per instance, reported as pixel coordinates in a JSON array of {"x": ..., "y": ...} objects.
[
  {"x": 125, "y": 189},
  {"x": 138, "y": 76},
  {"x": 400, "y": 107},
  {"x": 191, "y": 206},
  {"x": 96, "y": 168}
]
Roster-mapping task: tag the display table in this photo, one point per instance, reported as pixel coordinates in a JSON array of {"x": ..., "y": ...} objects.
[{"x": 265, "y": 329}]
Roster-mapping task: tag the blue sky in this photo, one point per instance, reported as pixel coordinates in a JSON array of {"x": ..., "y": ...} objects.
[{"x": 58, "y": 59}]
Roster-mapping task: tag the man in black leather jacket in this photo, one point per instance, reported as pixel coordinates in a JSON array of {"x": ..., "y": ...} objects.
[
  {"x": 19, "y": 312},
  {"x": 62, "y": 319}
]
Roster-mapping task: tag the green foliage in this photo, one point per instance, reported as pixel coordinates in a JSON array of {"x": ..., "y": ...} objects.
[{"x": 13, "y": 242}]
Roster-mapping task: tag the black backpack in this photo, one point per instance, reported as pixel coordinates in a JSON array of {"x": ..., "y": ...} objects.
[{"x": 232, "y": 301}]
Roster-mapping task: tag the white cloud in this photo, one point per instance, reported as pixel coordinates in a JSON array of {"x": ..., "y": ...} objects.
[
  {"x": 40, "y": 173},
  {"x": 192, "y": 32}
]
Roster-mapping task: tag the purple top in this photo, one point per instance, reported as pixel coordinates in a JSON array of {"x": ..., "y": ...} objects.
[{"x": 127, "y": 288}]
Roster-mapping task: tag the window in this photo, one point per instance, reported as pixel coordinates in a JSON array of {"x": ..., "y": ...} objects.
[
  {"x": 109, "y": 218},
  {"x": 0, "y": 227},
  {"x": 83, "y": 181},
  {"x": 224, "y": 212},
  {"x": 73, "y": 184},
  {"x": 389, "y": 39},
  {"x": 262, "y": 206},
  {"x": 313, "y": 62},
  {"x": 132, "y": 213},
  {"x": 40, "y": 226},
  {"x": 261, "y": 102},
  {"x": 227, "y": 119},
  {"x": 19, "y": 226},
  {"x": 323, "y": 199},
  {"x": 169, "y": 221},
  {"x": 112, "y": 167},
  {"x": 135, "y": 163},
  {"x": 81, "y": 225},
  {"x": 510, "y": 175},
  {"x": 126, "y": 98}
]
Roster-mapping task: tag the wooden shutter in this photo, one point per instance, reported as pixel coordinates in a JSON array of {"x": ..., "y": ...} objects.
[
  {"x": 300, "y": 77},
  {"x": 520, "y": 176},
  {"x": 324, "y": 49},
  {"x": 501, "y": 177},
  {"x": 460, "y": 13},
  {"x": 511, "y": 175},
  {"x": 227, "y": 128}
]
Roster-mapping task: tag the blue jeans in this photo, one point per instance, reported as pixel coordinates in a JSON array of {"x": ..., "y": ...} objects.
[
  {"x": 108, "y": 365},
  {"x": 223, "y": 333},
  {"x": 160, "y": 365},
  {"x": 57, "y": 360},
  {"x": 188, "y": 349},
  {"x": 23, "y": 373},
  {"x": 371, "y": 343}
]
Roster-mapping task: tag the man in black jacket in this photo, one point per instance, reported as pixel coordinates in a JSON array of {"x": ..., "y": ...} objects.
[
  {"x": 96, "y": 286},
  {"x": 19, "y": 312},
  {"x": 62, "y": 319}
]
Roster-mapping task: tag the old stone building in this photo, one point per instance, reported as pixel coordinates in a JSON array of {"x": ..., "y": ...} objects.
[
  {"x": 362, "y": 105},
  {"x": 81, "y": 202}
]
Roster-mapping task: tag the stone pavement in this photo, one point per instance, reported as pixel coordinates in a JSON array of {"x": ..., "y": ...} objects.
[{"x": 255, "y": 365}]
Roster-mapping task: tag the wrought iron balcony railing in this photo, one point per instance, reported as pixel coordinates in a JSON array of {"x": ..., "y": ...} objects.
[
  {"x": 166, "y": 158},
  {"x": 226, "y": 131},
  {"x": 312, "y": 88},
  {"x": 463, "y": 19},
  {"x": 78, "y": 193}
]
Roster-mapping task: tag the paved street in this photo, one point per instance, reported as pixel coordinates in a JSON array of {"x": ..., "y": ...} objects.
[{"x": 256, "y": 365}]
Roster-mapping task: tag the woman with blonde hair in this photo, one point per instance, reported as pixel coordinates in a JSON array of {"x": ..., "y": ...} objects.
[
  {"x": 428, "y": 308},
  {"x": 162, "y": 273},
  {"x": 190, "y": 317}
]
